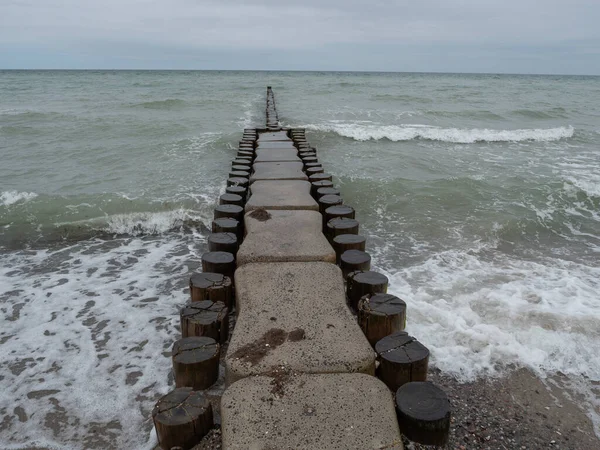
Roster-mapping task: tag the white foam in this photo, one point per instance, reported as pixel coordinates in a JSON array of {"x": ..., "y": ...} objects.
[
  {"x": 365, "y": 132},
  {"x": 93, "y": 322},
  {"x": 8, "y": 198},
  {"x": 149, "y": 222},
  {"x": 480, "y": 316}
]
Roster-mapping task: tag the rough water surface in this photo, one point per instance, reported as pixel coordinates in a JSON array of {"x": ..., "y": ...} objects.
[{"x": 479, "y": 196}]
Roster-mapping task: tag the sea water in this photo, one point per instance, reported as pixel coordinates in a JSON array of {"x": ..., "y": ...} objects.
[{"x": 479, "y": 196}]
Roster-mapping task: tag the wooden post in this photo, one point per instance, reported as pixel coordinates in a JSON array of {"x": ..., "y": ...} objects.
[
  {"x": 239, "y": 173},
  {"x": 401, "y": 359},
  {"x": 343, "y": 242},
  {"x": 236, "y": 167},
  {"x": 239, "y": 190},
  {"x": 320, "y": 176},
  {"x": 223, "y": 242},
  {"x": 312, "y": 164},
  {"x": 182, "y": 418},
  {"x": 423, "y": 413},
  {"x": 380, "y": 315},
  {"x": 211, "y": 286},
  {"x": 327, "y": 191},
  {"x": 219, "y": 262},
  {"x": 310, "y": 159},
  {"x": 227, "y": 225},
  {"x": 339, "y": 211},
  {"x": 361, "y": 283},
  {"x": 313, "y": 170},
  {"x": 231, "y": 199},
  {"x": 242, "y": 162},
  {"x": 196, "y": 362},
  {"x": 354, "y": 260},
  {"x": 232, "y": 211},
  {"x": 237, "y": 181},
  {"x": 328, "y": 200},
  {"x": 317, "y": 185},
  {"x": 340, "y": 225},
  {"x": 205, "y": 318}
]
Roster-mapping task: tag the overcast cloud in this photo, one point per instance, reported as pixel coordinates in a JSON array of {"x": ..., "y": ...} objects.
[{"x": 515, "y": 36}]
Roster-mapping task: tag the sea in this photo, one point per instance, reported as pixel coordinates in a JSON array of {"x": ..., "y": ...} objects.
[{"x": 479, "y": 196}]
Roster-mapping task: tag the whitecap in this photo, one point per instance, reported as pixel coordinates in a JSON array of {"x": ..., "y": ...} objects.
[
  {"x": 8, "y": 198},
  {"x": 364, "y": 132}
]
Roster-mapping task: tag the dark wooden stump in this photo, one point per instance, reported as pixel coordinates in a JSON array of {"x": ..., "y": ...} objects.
[
  {"x": 313, "y": 170},
  {"x": 314, "y": 187},
  {"x": 307, "y": 154},
  {"x": 380, "y": 315},
  {"x": 237, "y": 181},
  {"x": 232, "y": 211},
  {"x": 239, "y": 173},
  {"x": 223, "y": 242},
  {"x": 227, "y": 225},
  {"x": 231, "y": 199},
  {"x": 196, "y": 362},
  {"x": 239, "y": 190},
  {"x": 310, "y": 159},
  {"x": 340, "y": 225},
  {"x": 328, "y": 200},
  {"x": 236, "y": 167},
  {"x": 423, "y": 413},
  {"x": 242, "y": 162},
  {"x": 320, "y": 176},
  {"x": 182, "y": 418},
  {"x": 211, "y": 286},
  {"x": 363, "y": 282},
  {"x": 401, "y": 359},
  {"x": 343, "y": 242},
  {"x": 339, "y": 211},
  {"x": 219, "y": 262},
  {"x": 353, "y": 261},
  {"x": 312, "y": 164},
  {"x": 327, "y": 191},
  {"x": 205, "y": 318}
]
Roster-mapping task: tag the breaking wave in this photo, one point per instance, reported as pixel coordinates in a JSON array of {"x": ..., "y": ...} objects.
[{"x": 364, "y": 132}]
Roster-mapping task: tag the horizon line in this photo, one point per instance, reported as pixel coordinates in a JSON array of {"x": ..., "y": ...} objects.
[{"x": 296, "y": 70}]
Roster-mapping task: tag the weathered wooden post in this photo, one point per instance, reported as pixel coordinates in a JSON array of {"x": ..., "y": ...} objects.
[
  {"x": 223, "y": 242},
  {"x": 354, "y": 260},
  {"x": 344, "y": 242},
  {"x": 205, "y": 318},
  {"x": 423, "y": 413},
  {"x": 401, "y": 359},
  {"x": 232, "y": 211},
  {"x": 314, "y": 187},
  {"x": 182, "y": 418},
  {"x": 227, "y": 225},
  {"x": 340, "y": 225},
  {"x": 214, "y": 286},
  {"x": 327, "y": 201},
  {"x": 196, "y": 362},
  {"x": 380, "y": 315},
  {"x": 219, "y": 262},
  {"x": 231, "y": 199},
  {"x": 361, "y": 283}
]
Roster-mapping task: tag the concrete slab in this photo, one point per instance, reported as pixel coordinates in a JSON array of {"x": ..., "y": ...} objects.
[
  {"x": 281, "y": 194},
  {"x": 282, "y": 235},
  {"x": 276, "y": 144},
  {"x": 273, "y": 136},
  {"x": 277, "y": 154},
  {"x": 278, "y": 171},
  {"x": 334, "y": 411},
  {"x": 299, "y": 310}
]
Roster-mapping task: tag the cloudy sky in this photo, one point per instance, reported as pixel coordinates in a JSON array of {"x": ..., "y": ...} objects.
[{"x": 514, "y": 36}]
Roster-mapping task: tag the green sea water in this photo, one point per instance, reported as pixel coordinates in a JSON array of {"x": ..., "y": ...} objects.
[{"x": 479, "y": 196}]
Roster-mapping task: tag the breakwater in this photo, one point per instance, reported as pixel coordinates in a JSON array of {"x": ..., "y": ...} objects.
[{"x": 318, "y": 357}]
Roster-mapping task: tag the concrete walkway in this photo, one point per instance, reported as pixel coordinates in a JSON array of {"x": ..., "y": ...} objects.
[{"x": 298, "y": 367}]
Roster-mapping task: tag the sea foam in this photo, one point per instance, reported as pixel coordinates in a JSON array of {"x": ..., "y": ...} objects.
[
  {"x": 365, "y": 132},
  {"x": 8, "y": 198}
]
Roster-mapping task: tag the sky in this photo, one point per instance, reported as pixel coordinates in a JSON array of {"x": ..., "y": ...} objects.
[{"x": 490, "y": 36}]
